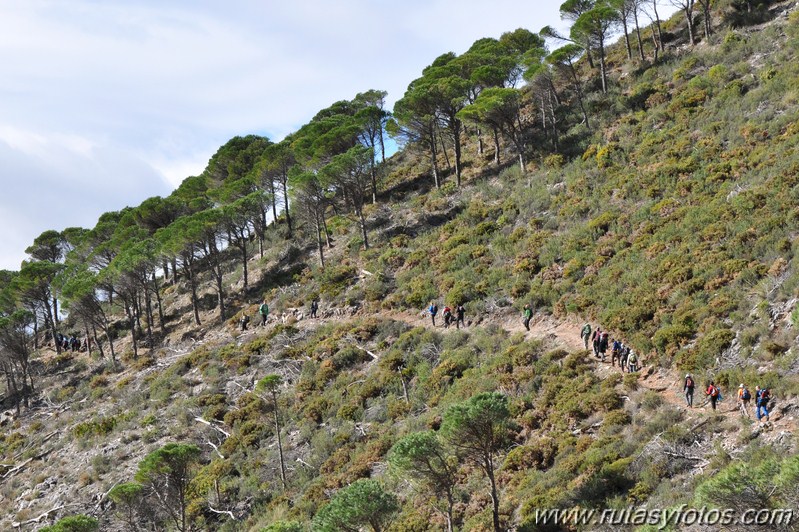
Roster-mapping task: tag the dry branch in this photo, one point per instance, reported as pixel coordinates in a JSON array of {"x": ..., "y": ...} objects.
[
  {"x": 204, "y": 422},
  {"x": 36, "y": 519},
  {"x": 228, "y": 512},
  {"x": 215, "y": 449}
]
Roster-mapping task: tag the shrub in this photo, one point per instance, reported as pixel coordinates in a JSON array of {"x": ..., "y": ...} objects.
[
  {"x": 651, "y": 400},
  {"x": 74, "y": 523}
]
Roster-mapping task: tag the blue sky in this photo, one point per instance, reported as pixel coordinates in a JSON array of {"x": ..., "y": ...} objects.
[{"x": 106, "y": 103}]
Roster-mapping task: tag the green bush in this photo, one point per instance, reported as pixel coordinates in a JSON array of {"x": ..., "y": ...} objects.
[{"x": 74, "y": 523}]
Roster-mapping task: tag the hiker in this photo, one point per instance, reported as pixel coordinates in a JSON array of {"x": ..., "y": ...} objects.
[
  {"x": 713, "y": 393},
  {"x": 263, "y": 310},
  {"x": 528, "y": 315},
  {"x": 615, "y": 353},
  {"x": 245, "y": 319},
  {"x": 688, "y": 390},
  {"x": 625, "y": 352},
  {"x": 595, "y": 340},
  {"x": 314, "y": 307},
  {"x": 447, "y": 317},
  {"x": 632, "y": 362},
  {"x": 603, "y": 345},
  {"x": 762, "y": 397},
  {"x": 744, "y": 396},
  {"x": 460, "y": 314},
  {"x": 433, "y": 310},
  {"x": 585, "y": 333}
]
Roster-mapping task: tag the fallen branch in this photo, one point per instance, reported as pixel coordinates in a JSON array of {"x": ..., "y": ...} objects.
[
  {"x": 216, "y": 449},
  {"x": 204, "y": 422},
  {"x": 228, "y": 512},
  {"x": 366, "y": 351},
  {"x": 303, "y": 462},
  {"x": 104, "y": 495},
  {"x": 685, "y": 456},
  {"x": 16, "y": 469},
  {"x": 36, "y": 519},
  {"x": 28, "y": 447}
]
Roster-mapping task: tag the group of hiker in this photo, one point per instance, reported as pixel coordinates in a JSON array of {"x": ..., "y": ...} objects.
[
  {"x": 762, "y": 397},
  {"x": 458, "y": 316},
  {"x": 263, "y": 313},
  {"x": 601, "y": 341},
  {"x": 71, "y": 343}
]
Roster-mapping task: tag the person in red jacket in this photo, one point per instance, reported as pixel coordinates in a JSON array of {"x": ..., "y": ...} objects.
[{"x": 713, "y": 393}]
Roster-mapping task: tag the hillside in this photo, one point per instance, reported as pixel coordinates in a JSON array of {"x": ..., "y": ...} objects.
[{"x": 659, "y": 204}]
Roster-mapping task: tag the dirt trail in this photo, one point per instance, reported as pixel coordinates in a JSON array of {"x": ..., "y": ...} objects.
[{"x": 566, "y": 334}]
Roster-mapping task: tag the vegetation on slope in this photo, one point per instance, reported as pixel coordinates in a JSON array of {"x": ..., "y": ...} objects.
[{"x": 655, "y": 194}]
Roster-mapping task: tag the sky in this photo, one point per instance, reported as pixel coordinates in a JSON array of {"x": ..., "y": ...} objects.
[{"x": 106, "y": 103}]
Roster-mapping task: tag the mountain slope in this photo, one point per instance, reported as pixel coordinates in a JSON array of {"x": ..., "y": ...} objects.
[{"x": 673, "y": 227}]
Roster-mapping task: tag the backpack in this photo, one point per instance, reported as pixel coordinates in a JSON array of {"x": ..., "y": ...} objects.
[
  {"x": 746, "y": 395},
  {"x": 714, "y": 391},
  {"x": 764, "y": 395},
  {"x": 263, "y": 309}
]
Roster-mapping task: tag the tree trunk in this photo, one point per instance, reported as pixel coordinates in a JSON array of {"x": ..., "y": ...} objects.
[
  {"x": 553, "y": 120},
  {"x": 319, "y": 245},
  {"x": 456, "y": 135},
  {"x": 489, "y": 467},
  {"x": 55, "y": 311},
  {"x": 578, "y": 89},
  {"x": 244, "y": 263},
  {"x": 543, "y": 116},
  {"x": 373, "y": 170},
  {"x": 35, "y": 331},
  {"x": 496, "y": 147},
  {"x": 53, "y": 328},
  {"x": 450, "y": 506},
  {"x": 706, "y": 17},
  {"x": 362, "y": 222},
  {"x": 279, "y": 444},
  {"x": 657, "y": 47},
  {"x": 274, "y": 200},
  {"x": 327, "y": 233},
  {"x": 148, "y": 309},
  {"x": 132, "y": 322},
  {"x": 284, "y": 182},
  {"x": 159, "y": 303},
  {"x": 110, "y": 345},
  {"x": 220, "y": 294},
  {"x": 626, "y": 37},
  {"x": 659, "y": 41},
  {"x": 444, "y": 151},
  {"x": 382, "y": 146},
  {"x": 689, "y": 19},
  {"x": 603, "y": 66},
  {"x": 638, "y": 35},
  {"x": 434, "y": 162},
  {"x": 193, "y": 285}
]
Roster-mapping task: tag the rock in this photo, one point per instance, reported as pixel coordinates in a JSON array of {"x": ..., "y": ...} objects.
[{"x": 7, "y": 417}]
